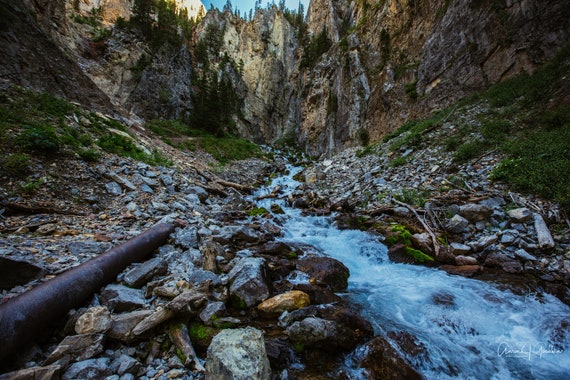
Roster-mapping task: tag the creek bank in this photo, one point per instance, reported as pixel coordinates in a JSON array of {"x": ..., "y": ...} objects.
[
  {"x": 433, "y": 211},
  {"x": 221, "y": 269}
]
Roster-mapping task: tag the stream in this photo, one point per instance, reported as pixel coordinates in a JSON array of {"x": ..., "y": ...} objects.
[{"x": 470, "y": 329}]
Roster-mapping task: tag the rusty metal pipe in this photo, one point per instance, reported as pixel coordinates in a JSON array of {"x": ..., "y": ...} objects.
[{"x": 28, "y": 315}]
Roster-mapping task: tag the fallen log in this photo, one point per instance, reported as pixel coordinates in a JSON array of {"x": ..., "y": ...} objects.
[{"x": 27, "y": 316}]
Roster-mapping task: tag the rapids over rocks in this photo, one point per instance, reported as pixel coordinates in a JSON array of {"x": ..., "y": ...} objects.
[{"x": 463, "y": 328}]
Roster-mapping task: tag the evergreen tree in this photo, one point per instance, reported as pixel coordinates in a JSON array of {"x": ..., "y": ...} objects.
[{"x": 141, "y": 15}]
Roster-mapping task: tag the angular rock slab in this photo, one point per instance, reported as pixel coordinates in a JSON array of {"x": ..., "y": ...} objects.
[{"x": 247, "y": 282}]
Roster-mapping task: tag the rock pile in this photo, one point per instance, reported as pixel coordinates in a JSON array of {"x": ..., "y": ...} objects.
[
  {"x": 162, "y": 318},
  {"x": 452, "y": 212}
]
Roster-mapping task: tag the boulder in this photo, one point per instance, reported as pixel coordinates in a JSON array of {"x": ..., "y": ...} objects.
[
  {"x": 91, "y": 369},
  {"x": 382, "y": 361},
  {"x": 238, "y": 354},
  {"x": 237, "y": 235},
  {"x": 144, "y": 272},
  {"x": 292, "y": 300},
  {"x": 312, "y": 331},
  {"x": 96, "y": 319},
  {"x": 325, "y": 270},
  {"x": 48, "y": 372},
  {"x": 520, "y": 215},
  {"x": 123, "y": 324},
  {"x": 327, "y": 327},
  {"x": 187, "y": 237},
  {"x": 461, "y": 270},
  {"x": 248, "y": 284},
  {"x": 15, "y": 271},
  {"x": 457, "y": 224},
  {"x": 77, "y": 348}
]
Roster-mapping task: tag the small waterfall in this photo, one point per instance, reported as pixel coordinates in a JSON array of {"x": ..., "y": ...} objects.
[{"x": 470, "y": 329}]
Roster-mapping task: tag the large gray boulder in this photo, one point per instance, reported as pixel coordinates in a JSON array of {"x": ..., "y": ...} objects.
[
  {"x": 238, "y": 354},
  {"x": 248, "y": 286}
]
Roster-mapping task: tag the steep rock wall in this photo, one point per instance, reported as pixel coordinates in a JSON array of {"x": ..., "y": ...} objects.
[
  {"x": 265, "y": 48},
  {"x": 396, "y": 60},
  {"x": 33, "y": 59}
]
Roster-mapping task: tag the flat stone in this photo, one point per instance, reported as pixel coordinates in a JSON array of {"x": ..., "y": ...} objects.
[
  {"x": 524, "y": 255},
  {"x": 475, "y": 212},
  {"x": 520, "y": 215},
  {"x": 120, "y": 298},
  {"x": 113, "y": 188},
  {"x": 461, "y": 270},
  {"x": 459, "y": 249},
  {"x": 77, "y": 348},
  {"x": 465, "y": 260},
  {"x": 144, "y": 272}
]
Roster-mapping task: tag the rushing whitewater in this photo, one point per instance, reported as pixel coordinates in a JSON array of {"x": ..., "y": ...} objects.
[{"x": 470, "y": 329}]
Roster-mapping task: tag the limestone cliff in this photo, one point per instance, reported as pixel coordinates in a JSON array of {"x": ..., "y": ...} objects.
[
  {"x": 265, "y": 49},
  {"x": 385, "y": 62},
  {"x": 395, "y": 60}
]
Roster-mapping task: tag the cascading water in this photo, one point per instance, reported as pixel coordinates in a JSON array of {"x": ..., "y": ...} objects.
[{"x": 470, "y": 329}]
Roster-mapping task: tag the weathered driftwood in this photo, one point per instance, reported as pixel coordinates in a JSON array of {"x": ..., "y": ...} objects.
[
  {"x": 13, "y": 208},
  {"x": 179, "y": 336},
  {"x": 157, "y": 318},
  {"x": 237, "y": 186},
  {"x": 545, "y": 240},
  {"x": 181, "y": 304}
]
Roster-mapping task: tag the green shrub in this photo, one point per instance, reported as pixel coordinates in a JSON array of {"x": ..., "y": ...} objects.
[
  {"x": 539, "y": 164},
  {"x": 89, "y": 155},
  {"x": 399, "y": 161},
  {"x": 411, "y": 196},
  {"x": 411, "y": 90},
  {"x": 468, "y": 150},
  {"x": 39, "y": 138},
  {"x": 495, "y": 130},
  {"x": 16, "y": 164},
  {"x": 31, "y": 186},
  {"x": 418, "y": 255},
  {"x": 122, "y": 146},
  {"x": 225, "y": 149}
]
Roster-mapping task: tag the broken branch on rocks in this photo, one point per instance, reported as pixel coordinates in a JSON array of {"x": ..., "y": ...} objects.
[
  {"x": 180, "y": 337},
  {"x": 424, "y": 224}
]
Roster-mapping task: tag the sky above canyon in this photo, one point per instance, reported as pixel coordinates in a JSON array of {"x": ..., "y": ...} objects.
[{"x": 246, "y": 5}]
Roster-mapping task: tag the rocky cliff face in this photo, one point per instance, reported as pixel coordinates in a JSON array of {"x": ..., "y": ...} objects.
[
  {"x": 389, "y": 61},
  {"x": 265, "y": 49},
  {"x": 398, "y": 60},
  {"x": 31, "y": 57}
]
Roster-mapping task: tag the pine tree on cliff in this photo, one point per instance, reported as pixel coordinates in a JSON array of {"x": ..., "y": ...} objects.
[{"x": 142, "y": 11}]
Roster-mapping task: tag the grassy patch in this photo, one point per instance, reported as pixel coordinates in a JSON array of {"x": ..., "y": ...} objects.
[
  {"x": 122, "y": 146},
  {"x": 412, "y": 132},
  {"x": 16, "y": 164},
  {"x": 225, "y": 149},
  {"x": 539, "y": 164},
  {"x": 411, "y": 197}
]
